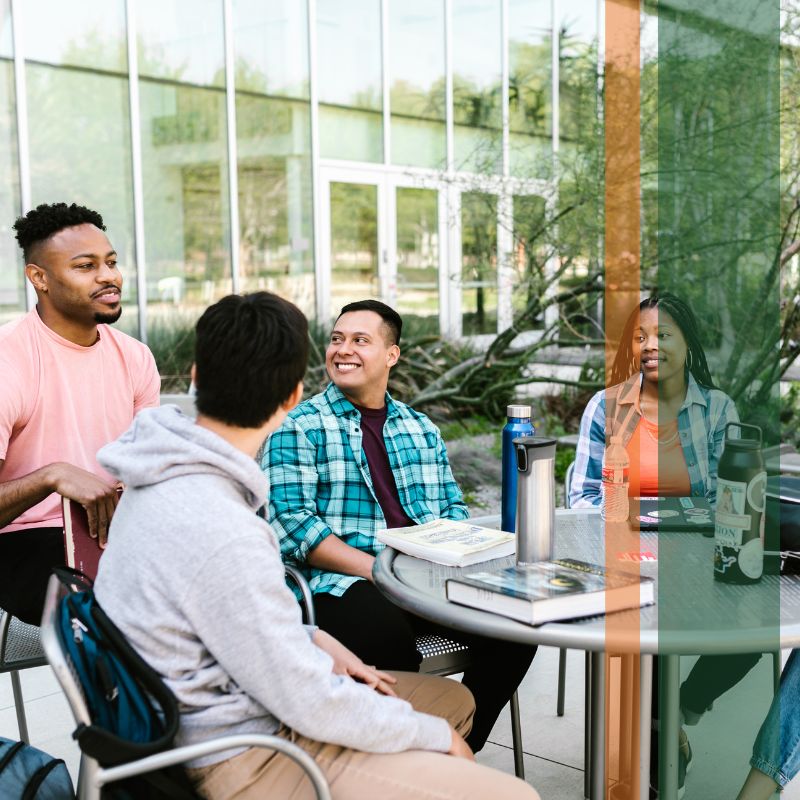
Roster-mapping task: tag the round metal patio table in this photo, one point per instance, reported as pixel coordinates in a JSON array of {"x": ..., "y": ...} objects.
[{"x": 745, "y": 617}]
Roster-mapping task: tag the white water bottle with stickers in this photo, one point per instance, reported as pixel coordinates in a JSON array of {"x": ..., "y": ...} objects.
[{"x": 616, "y": 466}]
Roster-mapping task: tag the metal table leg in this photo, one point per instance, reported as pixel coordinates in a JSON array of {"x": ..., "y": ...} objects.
[
  {"x": 645, "y": 722},
  {"x": 587, "y": 727},
  {"x": 627, "y": 775},
  {"x": 516, "y": 736},
  {"x": 669, "y": 727},
  {"x": 598, "y": 723}
]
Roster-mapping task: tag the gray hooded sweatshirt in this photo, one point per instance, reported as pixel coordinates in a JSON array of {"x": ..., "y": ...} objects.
[{"x": 193, "y": 578}]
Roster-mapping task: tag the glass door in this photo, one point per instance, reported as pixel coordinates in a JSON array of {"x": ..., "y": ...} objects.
[
  {"x": 382, "y": 239},
  {"x": 478, "y": 263},
  {"x": 417, "y": 252},
  {"x": 355, "y": 246}
]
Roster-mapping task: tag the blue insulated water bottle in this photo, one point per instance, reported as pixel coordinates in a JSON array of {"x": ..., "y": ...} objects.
[{"x": 518, "y": 424}]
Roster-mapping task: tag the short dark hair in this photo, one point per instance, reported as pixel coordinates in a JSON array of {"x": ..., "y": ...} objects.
[
  {"x": 391, "y": 319},
  {"x": 251, "y": 352},
  {"x": 46, "y": 220}
]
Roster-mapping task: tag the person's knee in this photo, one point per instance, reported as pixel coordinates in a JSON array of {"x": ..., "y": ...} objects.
[
  {"x": 441, "y": 697},
  {"x": 461, "y": 704}
]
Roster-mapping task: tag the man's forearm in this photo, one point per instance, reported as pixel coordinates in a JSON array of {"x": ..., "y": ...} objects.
[
  {"x": 20, "y": 494},
  {"x": 334, "y": 555}
]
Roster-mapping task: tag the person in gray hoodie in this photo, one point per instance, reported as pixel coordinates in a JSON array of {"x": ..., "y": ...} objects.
[{"x": 192, "y": 576}]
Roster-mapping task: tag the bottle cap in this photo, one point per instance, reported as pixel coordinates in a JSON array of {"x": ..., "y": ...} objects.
[{"x": 519, "y": 411}]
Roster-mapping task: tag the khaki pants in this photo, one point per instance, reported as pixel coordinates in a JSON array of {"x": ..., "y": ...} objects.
[{"x": 354, "y": 775}]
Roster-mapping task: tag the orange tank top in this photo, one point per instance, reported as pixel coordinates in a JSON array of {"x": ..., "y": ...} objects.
[{"x": 658, "y": 465}]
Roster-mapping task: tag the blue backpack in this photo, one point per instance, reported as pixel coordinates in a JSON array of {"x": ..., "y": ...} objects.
[
  {"x": 29, "y": 774},
  {"x": 133, "y": 713}
]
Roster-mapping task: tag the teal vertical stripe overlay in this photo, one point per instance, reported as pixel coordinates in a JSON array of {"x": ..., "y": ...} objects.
[{"x": 712, "y": 183}]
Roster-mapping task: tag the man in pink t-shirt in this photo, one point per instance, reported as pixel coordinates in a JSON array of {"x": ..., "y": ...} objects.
[{"x": 70, "y": 384}]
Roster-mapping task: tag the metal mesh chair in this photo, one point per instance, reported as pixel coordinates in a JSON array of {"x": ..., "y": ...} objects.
[
  {"x": 443, "y": 656},
  {"x": 20, "y": 649},
  {"x": 92, "y": 777}
]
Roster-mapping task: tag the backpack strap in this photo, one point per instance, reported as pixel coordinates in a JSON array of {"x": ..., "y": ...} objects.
[
  {"x": 620, "y": 418},
  {"x": 73, "y": 579}
]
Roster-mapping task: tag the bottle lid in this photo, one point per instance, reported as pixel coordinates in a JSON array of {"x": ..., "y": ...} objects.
[{"x": 519, "y": 411}]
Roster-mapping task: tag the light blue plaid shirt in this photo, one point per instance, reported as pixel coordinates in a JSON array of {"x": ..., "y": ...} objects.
[
  {"x": 701, "y": 425},
  {"x": 320, "y": 482}
]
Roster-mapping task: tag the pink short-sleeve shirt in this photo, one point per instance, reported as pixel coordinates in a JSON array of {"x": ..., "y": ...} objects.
[{"x": 60, "y": 401}]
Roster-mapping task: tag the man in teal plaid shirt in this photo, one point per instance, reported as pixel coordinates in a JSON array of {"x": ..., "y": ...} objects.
[{"x": 349, "y": 462}]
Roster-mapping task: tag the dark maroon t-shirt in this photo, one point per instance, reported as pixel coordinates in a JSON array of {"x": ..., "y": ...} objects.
[{"x": 372, "y": 421}]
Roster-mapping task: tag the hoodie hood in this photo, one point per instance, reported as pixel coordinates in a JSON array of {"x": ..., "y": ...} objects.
[{"x": 163, "y": 443}]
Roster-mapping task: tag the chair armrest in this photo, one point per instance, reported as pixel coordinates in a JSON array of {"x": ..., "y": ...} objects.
[
  {"x": 182, "y": 754},
  {"x": 308, "y": 598}
]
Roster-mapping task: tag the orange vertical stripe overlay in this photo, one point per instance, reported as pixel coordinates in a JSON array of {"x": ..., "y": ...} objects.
[{"x": 622, "y": 259}]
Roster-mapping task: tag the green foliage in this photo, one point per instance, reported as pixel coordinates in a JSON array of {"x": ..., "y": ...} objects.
[
  {"x": 564, "y": 457},
  {"x": 471, "y": 426},
  {"x": 790, "y": 416},
  {"x": 171, "y": 340}
]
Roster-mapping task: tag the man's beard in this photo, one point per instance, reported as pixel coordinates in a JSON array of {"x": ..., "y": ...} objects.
[{"x": 109, "y": 318}]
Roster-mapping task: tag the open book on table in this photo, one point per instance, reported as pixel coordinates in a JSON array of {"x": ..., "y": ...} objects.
[{"x": 454, "y": 543}]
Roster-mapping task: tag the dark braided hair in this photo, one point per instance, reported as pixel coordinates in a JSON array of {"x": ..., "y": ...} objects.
[
  {"x": 625, "y": 362},
  {"x": 48, "y": 219}
]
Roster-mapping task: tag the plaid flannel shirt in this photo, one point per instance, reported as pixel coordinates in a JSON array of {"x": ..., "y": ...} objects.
[
  {"x": 320, "y": 482},
  {"x": 701, "y": 426}
]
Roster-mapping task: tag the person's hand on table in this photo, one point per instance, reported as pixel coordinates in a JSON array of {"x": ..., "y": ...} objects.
[
  {"x": 346, "y": 662},
  {"x": 458, "y": 747},
  {"x": 98, "y": 497}
]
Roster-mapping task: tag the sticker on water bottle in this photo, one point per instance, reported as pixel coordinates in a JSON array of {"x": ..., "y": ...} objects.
[
  {"x": 751, "y": 559},
  {"x": 756, "y": 491},
  {"x": 731, "y": 522}
]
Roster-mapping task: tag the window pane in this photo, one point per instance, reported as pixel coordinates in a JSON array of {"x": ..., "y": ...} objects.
[
  {"x": 417, "y": 82},
  {"x": 271, "y": 43},
  {"x": 6, "y": 42},
  {"x": 182, "y": 40},
  {"x": 354, "y": 243},
  {"x": 12, "y": 278},
  {"x": 186, "y": 213},
  {"x": 529, "y": 86},
  {"x": 275, "y": 212},
  {"x": 530, "y": 254},
  {"x": 184, "y": 166},
  {"x": 349, "y": 75},
  {"x": 477, "y": 73},
  {"x": 478, "y": 263},
  {"x": 85, "y": 158},
  {"x": 86, "y": 34},
  {"x": 418, "y": 258},
  {"x": 578, "y": 91},
  {"x": 274, "y": 148}
]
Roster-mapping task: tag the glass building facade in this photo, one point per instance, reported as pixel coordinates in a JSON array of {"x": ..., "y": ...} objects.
[{"x": 327, "y": 150}]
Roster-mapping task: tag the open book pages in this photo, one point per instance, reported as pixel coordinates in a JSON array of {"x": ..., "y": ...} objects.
[{"x": 450, "y": 542}]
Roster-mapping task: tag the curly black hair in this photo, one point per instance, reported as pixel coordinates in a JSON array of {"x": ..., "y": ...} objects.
[{"x": 47, "y": 219}]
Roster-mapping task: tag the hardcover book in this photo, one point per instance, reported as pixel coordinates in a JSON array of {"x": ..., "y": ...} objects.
[
  {"x": 551, "y": 590},
  {"x": 81, "y": 551},
  {"x": 454, "y": 543}
]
